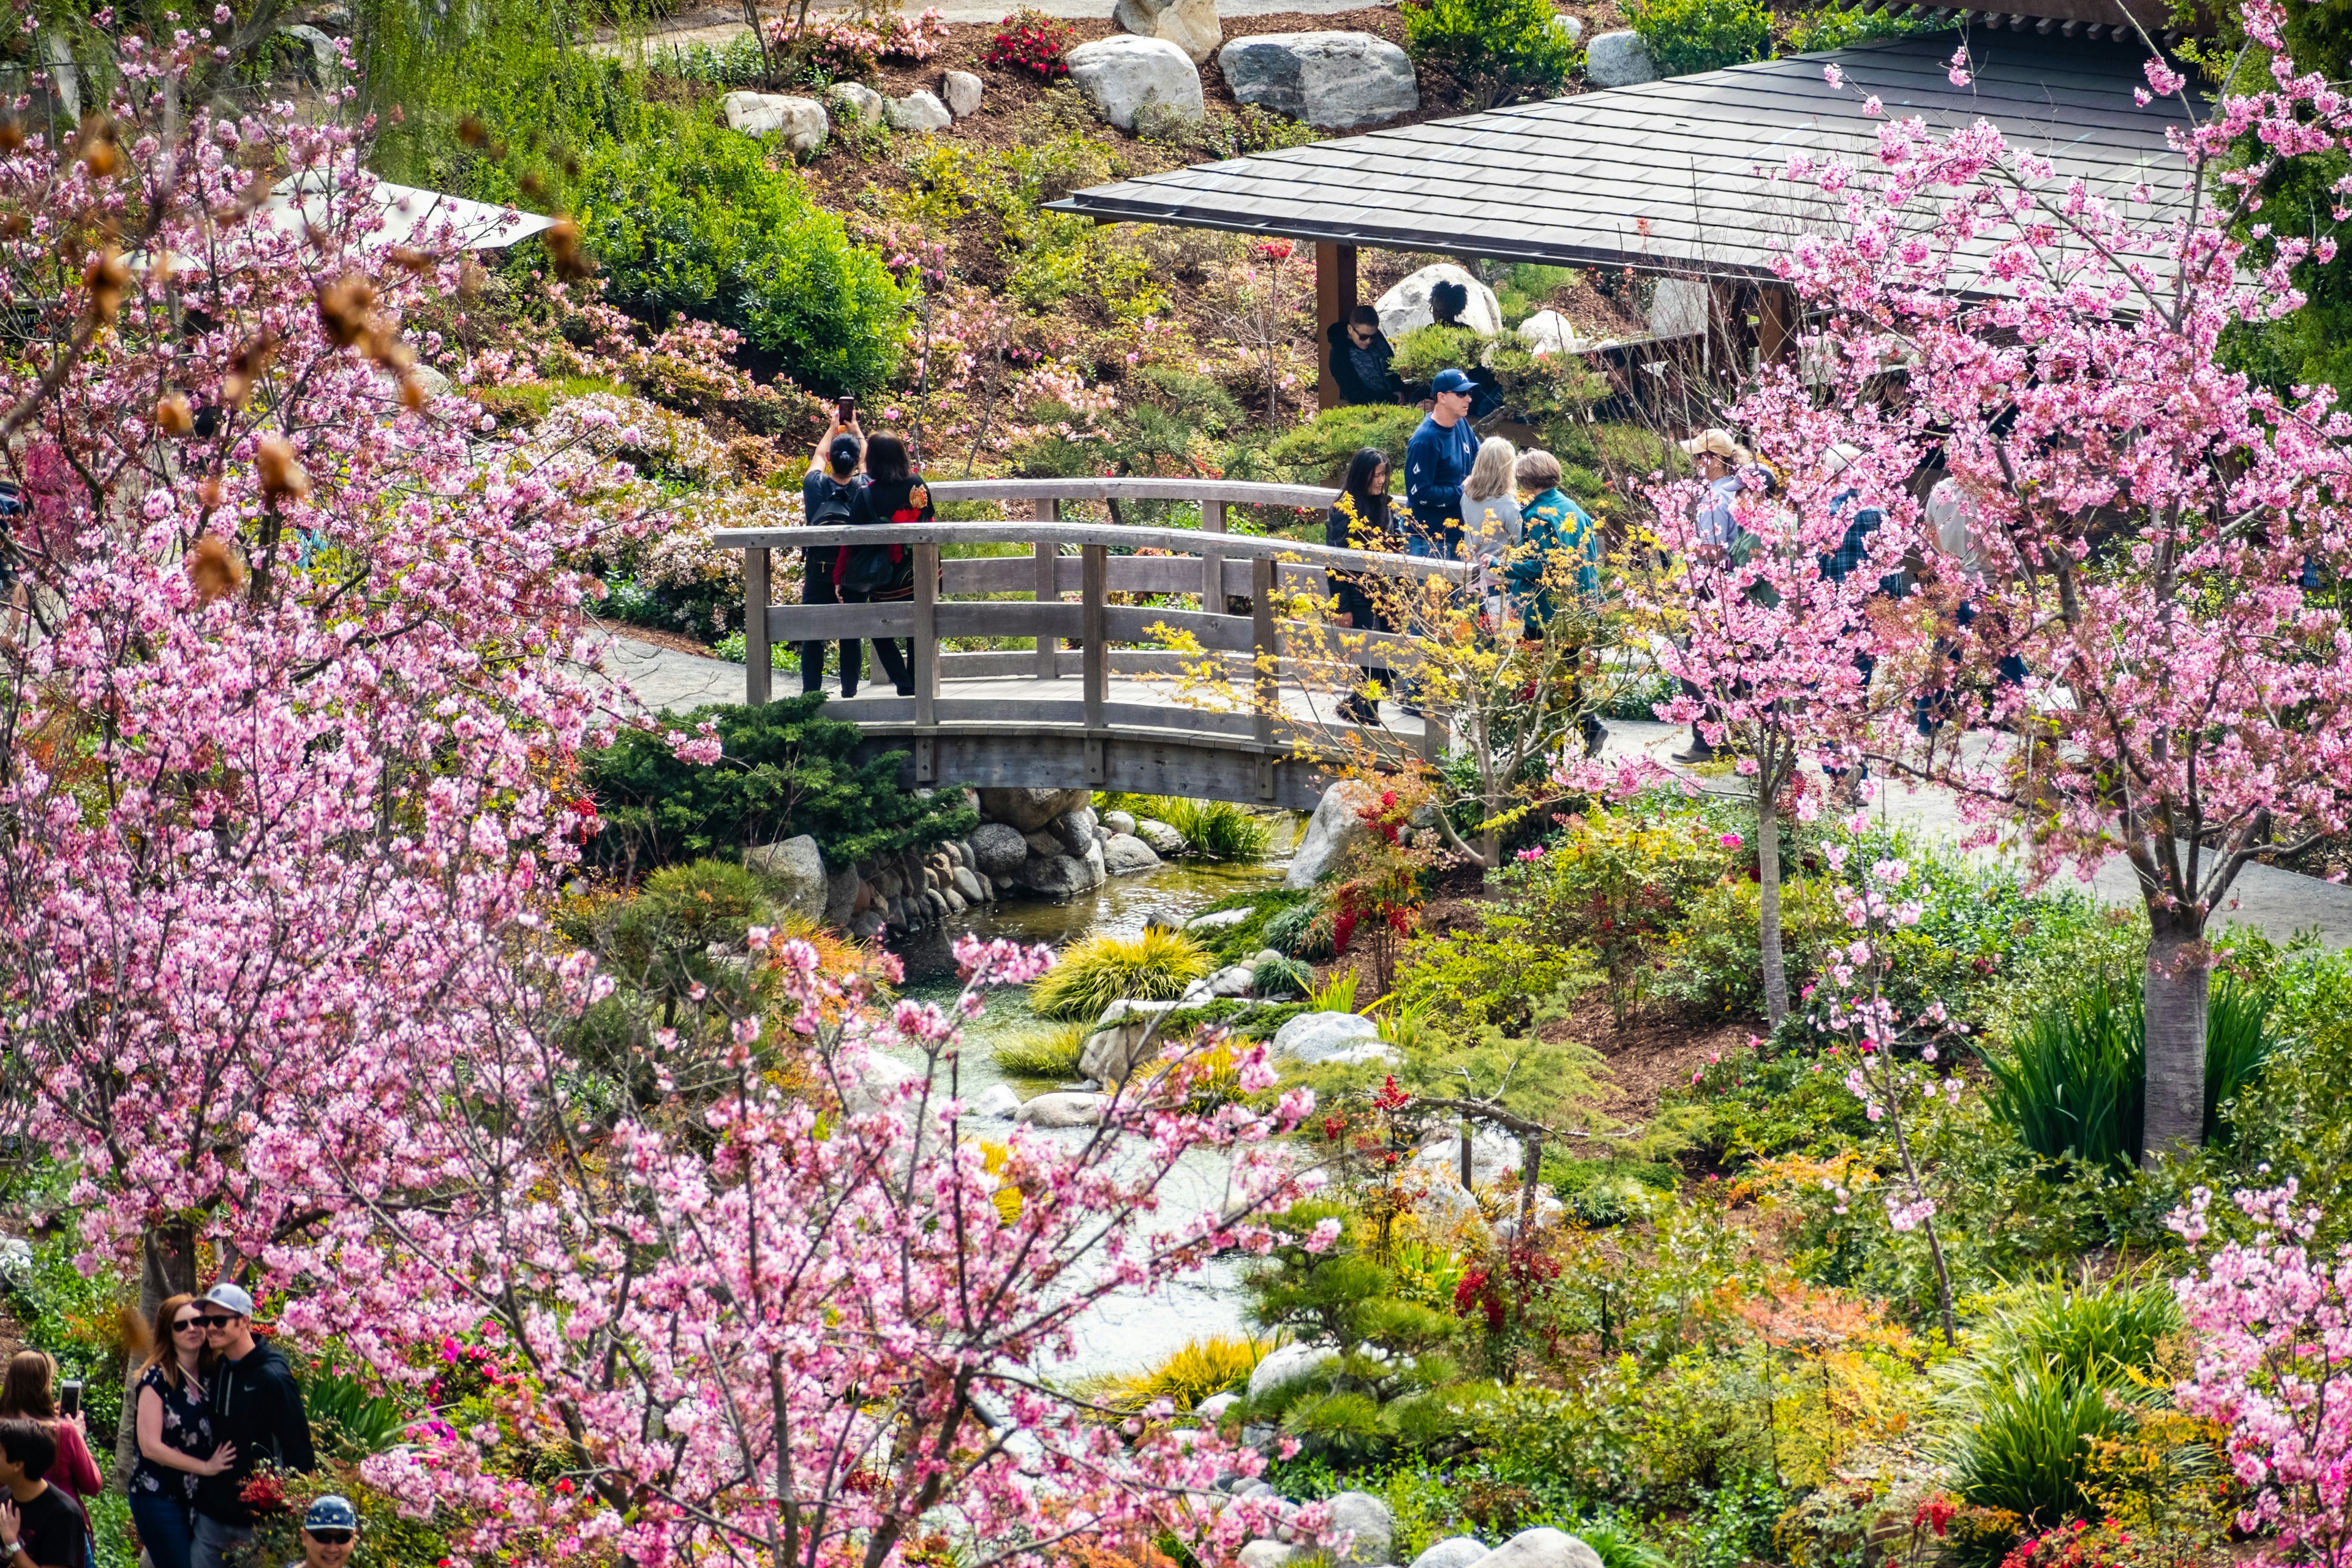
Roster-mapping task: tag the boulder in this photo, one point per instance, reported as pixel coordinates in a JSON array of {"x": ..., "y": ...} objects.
[
  {"x": 1233, "y": 980},
  {"x": 801, "y": 123},
  {"x": 1617, "y": 59},
  {"x": 1491, "y": 1154},
  {"x": 1067, "y": 1108},
  {"x": 1542, "y": 1549},
  {"x": 1164, "y": 840},
  {"x": 1027, "y": 810},
  {"x": 841, "y": 886},
  {"x": 1212, "y": 1409},
  {"x": 1406, "y": 306},
  {"x": 997, "y": 1102},
  {"x": 1042, "y": 842},
  {"x": 967, "y": 882},
  {"x": 1367, "y": 1518},
  {"x": 1122, "y": 74},
  {"x": 1312, "y": 1039},
  {"x": 962, "y": 89},
  {"x": 1678, "y": 309},
  {"x": 1453, "y": 1551},
  {"x": 869, "y": 925},
  {"x": 1332, "y": 80},
  {"x": 792, "y": 872},
  {"x": 1288, "y": 1363},
  {"x": 1266, "y": 955},
  {"x": 1335, "y": 826},
  {"x": 859, "y": 101},
  {"x": 1095, "y": 867},
  {"x": 918, "y": 111},
  {"x": 1573, "y": 30},
  {"x": 1216, "y": 919},
  {"x": 1059, "y": 876},
  {"x": 1266, "y": 1554},
  {"x": 322, "y": 61},
  {"x": 1122, "y": 1040},
  {"x": 1126, "y": 855},
  {"x": 1191, "y": 25},
  {"x": 1075, "y": 830},
  {"x": 1550, "y": 332},
  {"x": 1119, "y": 822},
  {"x": 879, "y": 1081},
  {"x": 998, "y": 848},
  {"x": 433, "y": 383}
]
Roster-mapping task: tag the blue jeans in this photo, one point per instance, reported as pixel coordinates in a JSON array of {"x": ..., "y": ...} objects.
[
  {"x": 216, "y": 1541},
  {"x": 166, "y": 1528}
]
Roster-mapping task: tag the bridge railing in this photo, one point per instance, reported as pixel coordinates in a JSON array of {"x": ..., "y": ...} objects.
[{"x": 1206, "y": 565}]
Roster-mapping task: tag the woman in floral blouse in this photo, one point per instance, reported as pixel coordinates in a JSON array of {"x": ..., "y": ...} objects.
[{"x": 175, "y": 1433}]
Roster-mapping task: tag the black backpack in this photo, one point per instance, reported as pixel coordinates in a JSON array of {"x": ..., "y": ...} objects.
[{"x": 832, "y": 503}]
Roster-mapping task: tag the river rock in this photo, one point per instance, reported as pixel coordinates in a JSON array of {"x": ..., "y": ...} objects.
[
  {"x": 918, "y": 111},
  {"x": 840, "y": 894},
  {"x": 877, "y": 1082},
  {"x": 1059, "y": 876},
  {"x": 1066, "y": 1109},
  {"x": 1406, "y": 306},
  {"x": 1373, "y": 1526},
  {"x": 792, "y": 872},
  {"x": 1216, "y": 919},
  {"x": 1119, "y": 821},
  {"x": 1042, "y": 843},
  {"x": 1123, "y": 1039},
  {"x": 1542, "y": 1547},
  {"x": 997, "y": 1102},
  {"x": 1095, "y": 867},
  {"x": 1550, "y": 332},
  {"x": 1164, "y": 840},
  {"x": 999, "y": 847},
  {"x": 1028, "y": 809},
  {"x": 857, "y": 101},
  {"x": 866, "y": 925},
  {"x": 1335, "y": 826},
  {"x": 962, "y": 91},
  {"x": 801, "y": 123},
  {"x": 1075, "y": 830},
  {"x": 1233, "y": 979},
  {"x": 1314, "y": 1038},
  {"x": 1453, "y": 1551},
  {"x": 1332, "y": 80},
  {"x": 1617, "y": 59},
  {"x": 967, "y": 882},
  {"x": 1288, "y": 1363},
  {"x": 1212, "y": 1409},
  {"x": 1191, "y": 26},
  {"x": 1122, "y": 74},
  {"x": 1126, "y": 855},
  {"x": 1266, "y": 1554},
  {"x": 1491, "y": 1154}
]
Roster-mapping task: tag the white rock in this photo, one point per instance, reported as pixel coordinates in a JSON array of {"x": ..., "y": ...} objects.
[
  {"x": 880, "y": 1079},
  {"x": 1617, "y": 59},
  {"x": 1453, "y": 1551},
  {"x": 1367, "y": 1518},
  {"x": 1064, "y": 1110},
  {"x": 434, "y": 384},
  {"x": 1288, "y": 1363},
  {"x": 1335, "y": 826},
  {"x": 997, "y": 1102},
  {"x": 792, "y": 872},
  {"x": 1164, "y": 839},
  {"x": 1266, "y": 1554},
  {"x": 861, "y": 101},
  {"x": 1542, "y": 1549},
  {"x": 962, "y": 89},
  {"x": 1550, "y": 332},
  {"x": 918, "y": 111},
  {"x": 1406, "y": 306},
  {"x": 1678, "y": 309},
  {"x": 1119, "y": 821},
  {"x": 1313, "y": 1038},
  {"x": 1233, "y": 980},
  {"x": 1122, "y": 74},
  {"x": 1572, "y": 28},
  {"x": 800, "y": 122},
  {"x": 1124, "y": 854},
  {"x": 1191, "y": 26},
  {"x": 1492, "y": 1152},
  {"x": 1212, "y": 1409},
  {"x": 1333, "y": 81},
  {"x": 1123, "y": 1039},
  {"x": 1216, "y": 919}
]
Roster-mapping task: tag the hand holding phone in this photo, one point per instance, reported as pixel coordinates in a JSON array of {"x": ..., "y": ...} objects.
[
  {"x": 845, "y": 409},
  {"x": 69, "y": 1398}
]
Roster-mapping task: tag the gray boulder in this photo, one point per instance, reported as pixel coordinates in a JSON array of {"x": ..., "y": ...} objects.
[
  {"x": 1192, "y": 25},
  {"x": 322, "y": 61},
  {"x": 1119, "y": 821},
  {"x": 1313, "y": 1038},
  {"x": 1211, "y": 1409},
  {"x": 1334, "y": 828},
  {"x": 1043, "y": 842},
  {"x": 1059, "y": 876},
  {"x": 801, "y": 123},
  {"x": 1542, "y": 1549},
  {"x": 999, "y": 847},
  {"x": 917, "y": 111},
  {"x": 1332, "y": 80},
  {"x": 1075, "y": 830},
  {"x": 1068, "y": 1109},
  {"x": 967, "y": 882},
  {"x": 1126, "y": 855},
  {"x": 1122, "y": 74},
  {"x": 1028, "y": 809},
  {"x": 1123, "y": 1039},
  {"x": 1367, "y": 1518},
  {"x": 1547, "y": 333},
  {"x": 1288, "y": 1363},
  {"x": 1453, "y": 1551},
  {"x": 1095, "y": 867},
  {"x": 1406, "y": 304},
  {"x": 1266, "y": 1554},
  {"x": 1617, "y": 59},
  {"x": 1164, "y": 840},
  {"x": 792, "y": 872},
  {"x": 859, "y": 101},
  {"x": 840, "y": 894},
  {"x": 866, "y": 927},
  {"x": 963, "y": 90},
  {"x": 1491, "y": 1154},
  {"x": 997, "y": 1102},
  {"x": 1217, "y": 920}
]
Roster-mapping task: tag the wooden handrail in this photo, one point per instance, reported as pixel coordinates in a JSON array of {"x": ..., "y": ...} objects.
[
  {"x": 1175, "y": 541},
  {"x": 1227, "y": 492}
]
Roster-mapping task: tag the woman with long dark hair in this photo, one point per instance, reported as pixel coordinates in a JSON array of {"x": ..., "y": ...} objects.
[
  {"x": 1361, "y": 520},
  {"x": 884, "y": 573},
  {"x": 173, "y": 1419}
]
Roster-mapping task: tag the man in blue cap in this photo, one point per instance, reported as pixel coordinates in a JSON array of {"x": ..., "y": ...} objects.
[
  {"x": 1436, "y": 461},
  {"x": 330, "y": 1532}
]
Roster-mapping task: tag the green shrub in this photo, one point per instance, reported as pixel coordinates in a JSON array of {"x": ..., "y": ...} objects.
[
  {"x": 1218, "y": 830},
  {"x": 348, "y": 1419},
  {"x": 1090, "y": 975},
  {"x": 1043, "y": 1053},
  {"x": 696, "y": 222},
  {"x": 1200, "y": 1370},
  {"x": 1316, "y": 452},
  {"x": 659, "y": 940},
  {"x": 1712, "y": 961},
  {"x": 1832, "y": 29},
  {"x": 2090, "y": 1335},
  {"x": 1499, "y": 50},
  {"x": 787, "y": 770},
  {"x": 2027, "y": 1447},
  {"x": 1281, "y": 977},
  {"x": 1686, "y": 36}
]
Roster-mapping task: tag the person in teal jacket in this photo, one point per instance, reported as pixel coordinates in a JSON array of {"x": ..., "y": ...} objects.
[{"x": 1554, "y": 528}]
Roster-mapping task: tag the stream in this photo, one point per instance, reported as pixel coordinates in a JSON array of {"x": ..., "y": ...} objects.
[{"x": 1127, "y": 1330}]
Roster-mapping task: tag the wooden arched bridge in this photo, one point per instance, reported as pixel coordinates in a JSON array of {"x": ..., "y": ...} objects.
[{"x": 1104, "y": 712}]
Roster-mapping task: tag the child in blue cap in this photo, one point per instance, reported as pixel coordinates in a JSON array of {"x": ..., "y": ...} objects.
[{"x": 330, "y": 1532}]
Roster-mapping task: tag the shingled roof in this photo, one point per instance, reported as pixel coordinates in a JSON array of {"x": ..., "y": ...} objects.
[{"x": 1677, "y": 176}]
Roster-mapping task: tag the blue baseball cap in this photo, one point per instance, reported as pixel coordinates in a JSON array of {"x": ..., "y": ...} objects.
[
  {"x": 331, "y": 1512},
  {"x": 1451, "y": 381}
]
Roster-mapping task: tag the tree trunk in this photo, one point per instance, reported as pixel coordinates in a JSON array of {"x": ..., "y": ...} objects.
[
  {"x": 2179, "y": 976},
  {"x": 167, "y": 1269},
  {"x": 1767, "y": 903}
]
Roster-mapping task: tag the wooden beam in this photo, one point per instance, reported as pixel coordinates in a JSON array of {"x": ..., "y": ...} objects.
[
  {"x": 1335, "y": 296},
  {"x": 1097, "y": 634},
  {"x": 757, "y": 662},
  {"x": 1776, "y": 322},
  {"x": 1267, "y": 652},
  {"x": 1213, "y": 569},
  {"x": 1049, "y": 588},
  {"x": 925, "y": 647}
]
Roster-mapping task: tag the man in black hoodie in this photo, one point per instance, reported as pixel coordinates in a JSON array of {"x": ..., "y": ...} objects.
[{"x": 257, "y": 1410}]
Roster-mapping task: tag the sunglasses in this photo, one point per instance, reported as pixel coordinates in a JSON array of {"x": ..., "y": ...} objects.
[
  {"x": 187, "y": 1324},
  {"x": 215, "y": 1319},
  {"x": 329, "y": 1537}
]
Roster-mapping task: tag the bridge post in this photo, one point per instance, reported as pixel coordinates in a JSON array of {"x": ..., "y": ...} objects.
[
  {"x": 925, "y": 649},
  {"x": 758, "y": 665},
  {"x": 1094, "y": 578},
  {"x": 1049, "y": 590},
  {"x": 1266, "y": 689},
  {"x": 1212, "y": 565}
]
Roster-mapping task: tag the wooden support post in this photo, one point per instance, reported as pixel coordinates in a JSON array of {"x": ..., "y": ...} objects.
[
  {"x": 1335, "y": 296},
  {"x": 1268, "y": 687},
  {"x": 1093, "y": 580},
  {"x": 1776, "y": 325},
  {"x": 1212, "y": 565},
  {"x": 1049, "y": 592},
  {"x": 759, "y": 667},
  {"x": 927, "y": 641}
]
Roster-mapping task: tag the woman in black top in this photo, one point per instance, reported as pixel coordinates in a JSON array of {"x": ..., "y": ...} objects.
[
  {"x": 173, "y": 1426},
  {"x": 1359, "y": 520},
  {"x": 885, "y": 573}
]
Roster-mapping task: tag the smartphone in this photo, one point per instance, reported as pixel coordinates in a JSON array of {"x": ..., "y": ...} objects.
[
  {"x": 845, "y": 409},
  {"x": 69, "y": 1398}
]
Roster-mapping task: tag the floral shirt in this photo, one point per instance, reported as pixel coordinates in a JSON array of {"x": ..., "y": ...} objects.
[{"x": 187, "y": 1427}]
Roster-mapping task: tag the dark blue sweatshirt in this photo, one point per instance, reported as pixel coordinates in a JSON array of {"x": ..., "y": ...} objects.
[{"x": 1436, "y": 461}]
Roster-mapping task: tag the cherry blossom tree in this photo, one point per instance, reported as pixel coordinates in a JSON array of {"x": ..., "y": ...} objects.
[{"x": 2155, "y": 538}]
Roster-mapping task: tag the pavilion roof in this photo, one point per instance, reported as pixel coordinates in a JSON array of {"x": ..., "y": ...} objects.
[{"x": 1677, "y": 175}]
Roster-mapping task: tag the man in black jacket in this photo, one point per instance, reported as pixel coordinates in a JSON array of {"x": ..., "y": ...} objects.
[{"x": 257, "y": 1410}]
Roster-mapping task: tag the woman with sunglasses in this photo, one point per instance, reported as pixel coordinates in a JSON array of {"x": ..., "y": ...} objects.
[{"x": 175, "y": 1433}]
